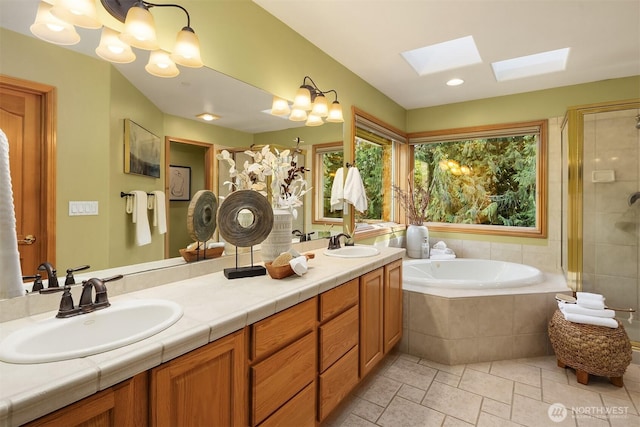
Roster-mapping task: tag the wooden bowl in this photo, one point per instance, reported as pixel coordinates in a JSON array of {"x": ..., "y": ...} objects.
[
  {"x": 282, "y": 271},
  {"x": 194, "y": 255}
]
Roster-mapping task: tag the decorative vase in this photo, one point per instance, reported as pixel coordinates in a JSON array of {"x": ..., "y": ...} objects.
[
  {"x": 279, "y": 240},
  {"x": 416, "y": 236}
]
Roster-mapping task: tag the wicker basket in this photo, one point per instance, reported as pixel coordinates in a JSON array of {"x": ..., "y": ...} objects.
[
  {"x": 282, "y": 271},
  {"x": 596, "y": 350},
  {"x": 194, "y": 255}
]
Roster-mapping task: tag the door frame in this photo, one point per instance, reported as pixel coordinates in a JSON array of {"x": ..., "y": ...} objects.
[{"x": 48, "y": 132}]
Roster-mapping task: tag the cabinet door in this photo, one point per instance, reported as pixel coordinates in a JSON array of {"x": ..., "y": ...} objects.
[
  {"x": 124, "y": 404},
  {"x": 371, "y": 316},
  {"x": 392, "y": 304},
  {"x": 203, "y": 387}
]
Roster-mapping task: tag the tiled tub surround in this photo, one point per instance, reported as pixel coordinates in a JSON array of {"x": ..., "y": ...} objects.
[
  {"x": 458, "y": 326},
  {"x": 213, "y": 307}
]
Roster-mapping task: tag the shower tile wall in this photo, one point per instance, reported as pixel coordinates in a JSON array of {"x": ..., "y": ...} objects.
[{"x": 611, "y": 231}]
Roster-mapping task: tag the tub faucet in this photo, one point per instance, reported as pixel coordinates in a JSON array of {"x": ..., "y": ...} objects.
[
  {"x": 51, "y": 274},
  {"x": 334, "y": 241}
]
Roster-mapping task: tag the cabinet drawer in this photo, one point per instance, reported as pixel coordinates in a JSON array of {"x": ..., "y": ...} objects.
[
  {"x": 282, "y": 328},
  {"x": 281, "y": 376},
  {"x": 338, "y": 336},
  {"x": 337, "y": 382},
  {"x": 338, "y": 299},
  {"x": 299, "y": 411}
]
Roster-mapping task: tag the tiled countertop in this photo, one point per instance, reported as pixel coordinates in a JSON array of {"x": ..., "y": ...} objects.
[{"x": 213, "y": 307}]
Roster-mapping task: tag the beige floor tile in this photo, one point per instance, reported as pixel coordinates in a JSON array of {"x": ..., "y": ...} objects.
[
  {"x": 447, "y": 399},
  {"x": 534, "y": 413},
  {"x": 401, "y": 412},
  {"x": 454, "y": 422},
  {"x": 560, "y": 375},
  {"x": 633, "y": 373},
  {"x": 496, "y": 388},
  {"x": 411, "y": 373},
  {"x": 496, "y": 408},
  {"x": 411, "y": 393},
  {"x": 380, "y": 390},
  {"x": 600, "y": 385},
  {"x": 618, "y": 405},
  {"x": 569, "y": 396},
  {"x": 452, "y": 369},
  {"x": 624, "y": 421},
  {"x": 518, "y": 372},
  {"x": 489, "y": 420},
  {"x": 355, "y": 421},
  {"x": 591, "y": 422},
  {"x": 365, "y": 409},
  {"x": 528, "y": 390},
  {"x": 447, "y": 378},
  {"x": 481, "y": 366}
]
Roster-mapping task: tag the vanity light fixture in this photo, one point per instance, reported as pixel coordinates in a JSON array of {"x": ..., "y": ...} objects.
[
  {"x": 55, "y": 24},
  {"x": 309, "y": 98}
]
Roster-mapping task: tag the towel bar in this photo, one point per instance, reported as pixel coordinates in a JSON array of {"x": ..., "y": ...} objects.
[{"x": 123, "y": 194}]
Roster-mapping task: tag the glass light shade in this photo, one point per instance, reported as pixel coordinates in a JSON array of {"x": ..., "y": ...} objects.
[
  {"x": 161, "y": 65},
  {"x": 77, "y": 12},
  {"x": 298, "y": 115},
  {"x": 302, "y": 101},
  {"x": 187, "y": 49},
  {"x": 51, "y": 29},
  {"x": 139, "y": 29},
  {"x": 280, "y": 107},
  {"x": 320, "y": 107},
  {"x": 314, "y": 120},
  {"x": 335, "y": 113},
  {"x": 112, "y": 49}
]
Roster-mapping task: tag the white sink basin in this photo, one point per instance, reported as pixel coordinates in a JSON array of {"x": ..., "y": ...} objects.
[
  {"x": 353, "y": 252},
  {"x": 120, "y": 324}
]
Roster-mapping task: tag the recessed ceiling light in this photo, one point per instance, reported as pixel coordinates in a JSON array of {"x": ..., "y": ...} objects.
[
  {"x": 531, "y": 65},
  {"x": 455, "y": 82},
  {"x": 208, "y": 117},
  {"x": 443, "y": 56}
]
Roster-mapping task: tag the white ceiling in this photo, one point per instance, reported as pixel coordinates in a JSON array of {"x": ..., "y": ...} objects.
[{"x": 368, "y": 37}]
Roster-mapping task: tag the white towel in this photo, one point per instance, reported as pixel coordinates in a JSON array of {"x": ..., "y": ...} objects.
[
  {"x": 337, "y": 191},
  {"x": 354, "y": 191},
  {"x": 591, "y": 320},
  {"x": 441, "y": 256},
  {"x": 11, "y": 278},
  {"x": 137, "y": 207},
  {"x": 157, "y": 203},
  {"x": 576, "y": 309},
  {"x": 590, "y": 296},
  {"x": 589, "y": 300}
]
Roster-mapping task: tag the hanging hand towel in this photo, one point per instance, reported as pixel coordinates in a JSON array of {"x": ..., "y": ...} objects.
[
  {"x": 11, "y": 279},
  {"x": 354, "y": 191},
  {"x": 159, "y": 211},
  {"x": 137, "y": 207},
  {"x": 337, "y": 191}
]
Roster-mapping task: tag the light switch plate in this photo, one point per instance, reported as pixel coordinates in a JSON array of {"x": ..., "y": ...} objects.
[{"x": 77, "y": 208}]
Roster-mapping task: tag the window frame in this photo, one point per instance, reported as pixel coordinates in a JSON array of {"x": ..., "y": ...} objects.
[
  {"x": 486, "y": 131},
  {"x": 317, "y": 201}
]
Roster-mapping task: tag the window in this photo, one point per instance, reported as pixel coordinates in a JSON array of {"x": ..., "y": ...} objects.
[
  {"x": 327, "y": 159},
  {"x": 488, "y": 180}
]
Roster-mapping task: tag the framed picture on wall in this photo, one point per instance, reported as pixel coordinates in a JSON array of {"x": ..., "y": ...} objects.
[
  {"x": 179, "y": 183},
  {"x": 141, "y": 150}
]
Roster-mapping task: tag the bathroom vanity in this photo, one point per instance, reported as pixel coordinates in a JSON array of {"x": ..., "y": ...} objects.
[{"x": 255, "y": 351}]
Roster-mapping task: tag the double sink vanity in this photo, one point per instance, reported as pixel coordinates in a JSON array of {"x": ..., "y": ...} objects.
[{"x": 253, "y": 351}]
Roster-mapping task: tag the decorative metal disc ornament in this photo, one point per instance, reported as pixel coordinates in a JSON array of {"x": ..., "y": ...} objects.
[
  {"x": 245, "y": 235},
  {"x": 201, "y": 216}
]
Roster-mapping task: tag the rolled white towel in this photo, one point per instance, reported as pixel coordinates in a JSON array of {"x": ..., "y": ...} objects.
[
  {"x": 440, "y": 245},
  {"x": 577, "y": 309},
  {"x": 591, "y": 320}
]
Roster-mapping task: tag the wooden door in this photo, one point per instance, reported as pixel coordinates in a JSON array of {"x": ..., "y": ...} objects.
[
  {"x": 206, "y": 387},
  {"x": 371, "y": 316},
  {"x": 26, "y": 111},
  {"x": 392, "y": 304}
]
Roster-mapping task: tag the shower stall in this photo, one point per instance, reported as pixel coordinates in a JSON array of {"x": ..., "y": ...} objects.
[{"x": 601, "y": 205}]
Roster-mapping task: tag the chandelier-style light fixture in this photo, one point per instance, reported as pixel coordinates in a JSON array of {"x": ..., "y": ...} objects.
[
  {"x": 55, "y": 23},
  {"x": 309, "y": 98}
]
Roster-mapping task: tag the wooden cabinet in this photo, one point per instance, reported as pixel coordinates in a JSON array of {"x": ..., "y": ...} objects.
[
  {"x": 284, "y": 365},
  {"x": 392, "y": 304},
  {"x": 338, "y": 336},
  {"x": 124, "y": 404},
  {"x": 371, "y": 320},
  {"x": 204, "y": 387}
]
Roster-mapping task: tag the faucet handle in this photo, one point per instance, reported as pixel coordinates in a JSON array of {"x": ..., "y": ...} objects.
[
  {"x": 70, "y": 280},
  {"x": 37, "y": 284},
  {"x": 67, "y": 309}
]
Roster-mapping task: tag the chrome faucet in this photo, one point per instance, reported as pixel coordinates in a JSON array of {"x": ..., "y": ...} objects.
[
  {"x": 334, "y": 241},
  {"x": 51, "y": 274},
  {"x": 87, "y": 304}
]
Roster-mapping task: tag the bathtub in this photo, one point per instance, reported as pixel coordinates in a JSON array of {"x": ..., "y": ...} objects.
[
  {"x": 465, "y": 273},
  {"x": 470, "y": 310}
]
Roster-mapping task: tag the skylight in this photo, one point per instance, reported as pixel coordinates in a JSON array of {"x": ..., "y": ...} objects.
[
  {"x": 531, "y": 65},
  {"x": 443, "y": 56}
]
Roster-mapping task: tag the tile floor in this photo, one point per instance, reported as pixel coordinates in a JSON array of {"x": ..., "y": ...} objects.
[{"x": 408, "y": 391}]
